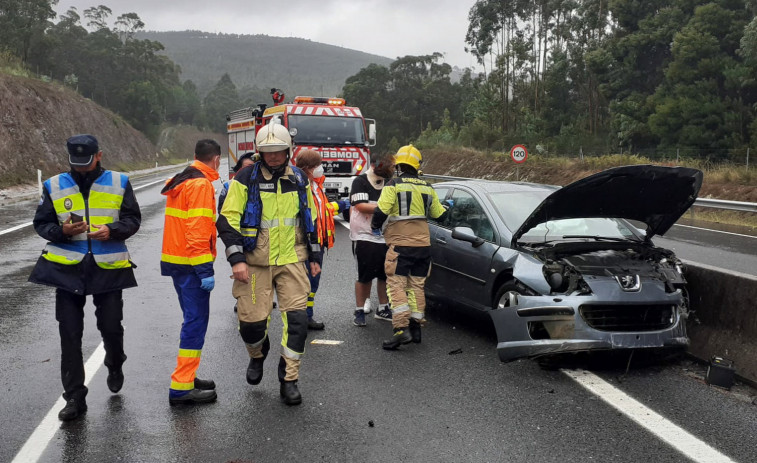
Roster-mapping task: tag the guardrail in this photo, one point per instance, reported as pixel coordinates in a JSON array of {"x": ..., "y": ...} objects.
[{"x": 740, "y": 206}]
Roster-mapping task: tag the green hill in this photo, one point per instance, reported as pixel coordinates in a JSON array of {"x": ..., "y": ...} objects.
[{"x": 297, "y": 66}]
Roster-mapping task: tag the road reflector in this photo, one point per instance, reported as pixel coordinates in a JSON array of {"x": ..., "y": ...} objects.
[{"x": 327, "y": 342}]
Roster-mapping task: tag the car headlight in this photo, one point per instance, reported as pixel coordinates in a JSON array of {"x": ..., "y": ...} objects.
[{"x": 554, "y": 274}]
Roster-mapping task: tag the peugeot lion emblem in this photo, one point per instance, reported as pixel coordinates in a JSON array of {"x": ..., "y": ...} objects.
[{"x": 629, "y": 282}]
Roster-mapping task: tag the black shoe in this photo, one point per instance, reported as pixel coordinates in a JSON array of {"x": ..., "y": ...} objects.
[
  {"x": 73, "y": 409},
  {"x": 115, "y": 379},
  {"x": 289, "y": 392},
  {"x": 415, "y": 331},
  {"x": 195, "y": 396},
  {"x": 204, "y": 384},
  {"x": 235, "y": 307},
  {"x": 314, "y": 325},
  {"x": 401, "y": 336},
  {"x": 255, "y": 370}
]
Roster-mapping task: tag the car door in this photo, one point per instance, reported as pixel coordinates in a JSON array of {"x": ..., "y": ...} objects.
[
  {"x": 434, "y": 287},
  {"x": 462, "y": 269}
]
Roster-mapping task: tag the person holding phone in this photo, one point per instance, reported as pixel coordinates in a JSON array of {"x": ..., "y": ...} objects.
[{"x": 86, "y": 215}]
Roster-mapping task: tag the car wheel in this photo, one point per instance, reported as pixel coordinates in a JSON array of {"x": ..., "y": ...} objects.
[{"x": 507, "y": 296}]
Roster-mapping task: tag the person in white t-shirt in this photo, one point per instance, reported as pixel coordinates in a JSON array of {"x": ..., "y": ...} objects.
[{"x": 369, "y": 249}]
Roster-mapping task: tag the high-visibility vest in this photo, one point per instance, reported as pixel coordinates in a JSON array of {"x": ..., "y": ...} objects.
[
  {"x": 102, "y": 207},
  {"x": 281, "y": 225}
]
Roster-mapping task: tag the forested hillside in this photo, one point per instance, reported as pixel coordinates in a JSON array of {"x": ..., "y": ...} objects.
[
  {"x": 256, "y": 63},
  {"x": 661, "y": 78}
]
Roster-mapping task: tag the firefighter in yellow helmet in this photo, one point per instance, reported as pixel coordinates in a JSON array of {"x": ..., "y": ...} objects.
[
  {"x": 406, "y": 202},
  {"x": 267, "y": 226}
]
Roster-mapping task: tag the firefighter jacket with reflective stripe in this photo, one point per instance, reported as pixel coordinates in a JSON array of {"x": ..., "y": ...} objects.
[
  {"x": 407, "y": 202},
  {"x": 324, "y": 220},
  {"x": 79, "y": 264},
  {"x": 285, "y": 233},
  {"x": 189, "y": 233},
  {"x": 101, "y": 208}
]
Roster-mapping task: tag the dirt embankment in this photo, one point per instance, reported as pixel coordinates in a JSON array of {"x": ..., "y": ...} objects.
[
  {"x": 36, "y": 119},
  {"x": 469, "y": 163}
]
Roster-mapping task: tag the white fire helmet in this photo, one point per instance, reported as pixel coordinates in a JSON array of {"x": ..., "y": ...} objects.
[{"x": 273, "y": 137}]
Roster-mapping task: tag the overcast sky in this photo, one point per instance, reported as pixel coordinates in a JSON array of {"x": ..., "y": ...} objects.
[{"x": 388, "y": 28}]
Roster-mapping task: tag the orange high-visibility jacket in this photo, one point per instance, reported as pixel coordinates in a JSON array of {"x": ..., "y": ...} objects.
[
  {"x": 324, "y": 222},
  {"x": 189, "y": 234}
]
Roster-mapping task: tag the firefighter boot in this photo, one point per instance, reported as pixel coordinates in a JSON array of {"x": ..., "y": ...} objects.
[
  {"x": 289, "y": 393},
  {"x": 415, "y": 330},
  {"x": 255, "y": 370},
  {"x": 401, "y": 336}
]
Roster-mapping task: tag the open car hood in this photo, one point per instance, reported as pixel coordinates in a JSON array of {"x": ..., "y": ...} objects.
[{"x": 655, "y": 195}]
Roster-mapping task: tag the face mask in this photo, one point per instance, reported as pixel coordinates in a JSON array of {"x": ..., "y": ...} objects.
[{"x": 318, "y": 172}]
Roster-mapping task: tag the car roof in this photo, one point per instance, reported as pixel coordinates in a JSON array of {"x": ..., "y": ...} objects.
[{"x": 494, "y": 186}]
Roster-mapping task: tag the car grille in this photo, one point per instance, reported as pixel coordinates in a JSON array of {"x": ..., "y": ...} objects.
[{"x": 628, "y": 317}]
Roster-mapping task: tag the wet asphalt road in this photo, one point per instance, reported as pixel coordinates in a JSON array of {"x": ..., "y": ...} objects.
[{"x": 425, "y": 404}]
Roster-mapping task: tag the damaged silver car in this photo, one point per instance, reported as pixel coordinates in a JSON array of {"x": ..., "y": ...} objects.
[{"x": 570, "y": 269}]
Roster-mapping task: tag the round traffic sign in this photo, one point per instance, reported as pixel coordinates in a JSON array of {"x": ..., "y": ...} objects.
[{"x": 519, "y": 154}]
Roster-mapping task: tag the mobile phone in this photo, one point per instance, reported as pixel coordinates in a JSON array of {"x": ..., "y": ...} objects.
[{"x": 75, "y": 218}]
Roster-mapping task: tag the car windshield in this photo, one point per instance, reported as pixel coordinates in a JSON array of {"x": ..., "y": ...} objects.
[
  {"x": 327, "y": 130},
  {"x": 515, "y": 207}
]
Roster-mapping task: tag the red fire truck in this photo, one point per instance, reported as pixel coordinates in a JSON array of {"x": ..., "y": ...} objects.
[{"x": 338, "y": 132}]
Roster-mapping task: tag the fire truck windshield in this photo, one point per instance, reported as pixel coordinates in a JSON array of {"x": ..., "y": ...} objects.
[{"x": 327, "y": 130}]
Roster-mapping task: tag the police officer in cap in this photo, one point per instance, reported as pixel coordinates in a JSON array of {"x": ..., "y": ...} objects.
[{"x": 86, "y": 215}]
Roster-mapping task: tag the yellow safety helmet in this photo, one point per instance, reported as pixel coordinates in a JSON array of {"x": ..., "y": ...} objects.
[{"x": 409, "y": 155}]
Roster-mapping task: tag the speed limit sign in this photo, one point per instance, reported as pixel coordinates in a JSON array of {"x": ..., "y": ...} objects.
[{"x": 519, "y": 153}]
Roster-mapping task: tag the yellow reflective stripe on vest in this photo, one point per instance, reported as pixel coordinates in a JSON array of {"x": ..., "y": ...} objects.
[
  {"x": 253, "y": 232},
  {"x": 62, "y": 256},
  {"x": 205, "y": 258},
  {"x": 113, "y": 260},
  {"x": 198, "y": 212}
]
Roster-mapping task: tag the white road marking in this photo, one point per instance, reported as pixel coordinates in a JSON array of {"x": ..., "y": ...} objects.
[
  {"x": 24, "y": 225},
  {"x": 653, "y": 422},
  {"x": 716, "y": 231},
  {"x": 17, "y": 227},
  {"x": 326, "y": 342},
  {"x": 37, "y": 443}
]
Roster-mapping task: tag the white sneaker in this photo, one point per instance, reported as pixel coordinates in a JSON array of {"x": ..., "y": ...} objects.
[{"x": 367, "y": 306}]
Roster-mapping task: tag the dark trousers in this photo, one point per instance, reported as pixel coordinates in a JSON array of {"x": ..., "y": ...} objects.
[
  {"x": 69, "y": 311},
  {"x": 315, "y": 282}
]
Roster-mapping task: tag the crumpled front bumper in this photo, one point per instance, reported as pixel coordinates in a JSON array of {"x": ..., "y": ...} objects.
[{"x": 575, "y": 335}]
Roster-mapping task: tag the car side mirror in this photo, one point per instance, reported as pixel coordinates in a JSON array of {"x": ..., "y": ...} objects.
[{"x": 466, "y": 234}]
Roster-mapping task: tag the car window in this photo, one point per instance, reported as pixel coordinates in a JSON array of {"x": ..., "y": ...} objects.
[
  {"x": 556, "y": 229},
  {"x": 515, "y": 207},
  {"x": 441, "y": 192},
  {"x": 466, "y": 211}
]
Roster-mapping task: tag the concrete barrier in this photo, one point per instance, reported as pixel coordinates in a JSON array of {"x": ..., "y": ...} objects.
[{"x": 725, "y": 316}]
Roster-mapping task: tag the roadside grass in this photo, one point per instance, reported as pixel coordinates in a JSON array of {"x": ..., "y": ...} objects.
[
  {"x": 12, "y": 65},
  {"x": 741, "y": 219}
]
